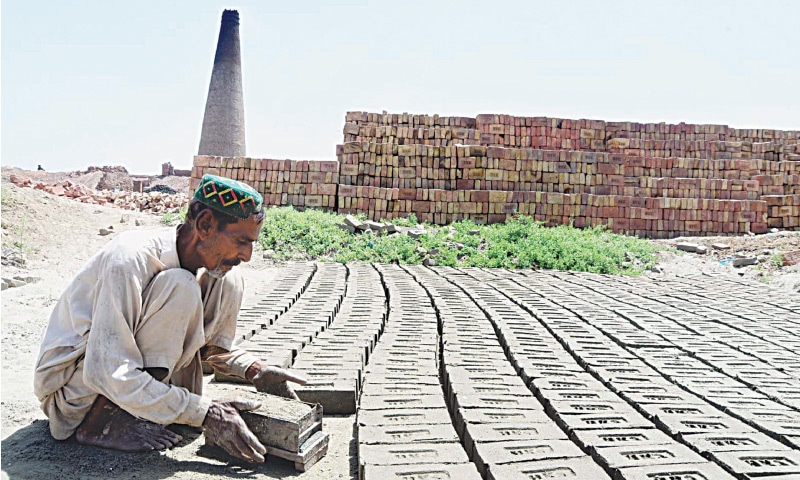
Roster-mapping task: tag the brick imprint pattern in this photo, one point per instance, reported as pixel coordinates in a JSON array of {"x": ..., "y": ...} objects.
[{"x": 497, "y": 374}]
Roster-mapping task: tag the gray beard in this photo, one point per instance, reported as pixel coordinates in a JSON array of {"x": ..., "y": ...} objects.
[{"x": 216, "y": 273}]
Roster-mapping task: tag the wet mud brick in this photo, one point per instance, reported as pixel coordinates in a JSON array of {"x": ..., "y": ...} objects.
[
  {"x": 491, "y": 453},
  {"x": 403, "y": 417},
  {"x": 579, "y": 468},
  {"x": 680, "y": 471},
  {"x": 338, "y": 396},
  {"x": 374, "y": 402},
  {"x": 504, "y": 402},
  {"x": 381, "y": 390},
  {"x": 411, "y": 454},
  {"x": 456, "y": 471},
  {"x": 279, "y": 422},
  {"x": 745, "y": 441},
  {"x": 677, "y": 425},
  {"x": 590, "y": 440},
  {"x": 389, "y": 434},
  {"x": 609, "y": 421},
  {"x": 467, "y": 416},
  {"x": 628, "y": 456},
  {"x": 510, "y": 431},
  {"x": 761, "y": 463},
  {"x": 400, "y": 379}
]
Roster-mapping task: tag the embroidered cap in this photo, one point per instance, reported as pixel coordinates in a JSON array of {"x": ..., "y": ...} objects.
[{"x": 229, "y": 196}]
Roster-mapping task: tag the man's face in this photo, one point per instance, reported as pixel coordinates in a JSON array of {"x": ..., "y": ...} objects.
[{"x": 223, "y": 249}]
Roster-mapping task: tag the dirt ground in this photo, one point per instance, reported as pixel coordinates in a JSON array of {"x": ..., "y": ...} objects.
[{"x": 57, "y": 236}]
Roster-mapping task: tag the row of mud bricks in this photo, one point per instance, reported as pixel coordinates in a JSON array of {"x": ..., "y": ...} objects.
[{"x": 495, "y": 374}]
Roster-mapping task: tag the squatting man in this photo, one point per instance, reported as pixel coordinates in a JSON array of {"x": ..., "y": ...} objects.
[{"x": 121, "y": 356}]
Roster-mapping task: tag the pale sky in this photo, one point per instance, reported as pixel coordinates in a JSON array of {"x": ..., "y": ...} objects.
[{"x": 125, "y": 83}]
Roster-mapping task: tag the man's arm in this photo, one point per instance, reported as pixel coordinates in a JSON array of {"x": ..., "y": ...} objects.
[{"x": 240, "y": 363}]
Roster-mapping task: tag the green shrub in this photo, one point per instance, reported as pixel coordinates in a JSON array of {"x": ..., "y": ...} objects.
[{"x": 519, "y": 243}]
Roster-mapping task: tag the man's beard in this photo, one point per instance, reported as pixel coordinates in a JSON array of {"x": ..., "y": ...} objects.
[{"x": 219, "y": 271}]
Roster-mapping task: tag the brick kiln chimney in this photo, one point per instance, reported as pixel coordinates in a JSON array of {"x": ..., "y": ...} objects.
[{"x": 223, "y": 123}]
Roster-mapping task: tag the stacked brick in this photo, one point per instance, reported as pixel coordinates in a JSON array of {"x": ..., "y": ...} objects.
[
  {"x": 639, "y": 195},
  {"x": 301, "y": 183},
  {"x": 654, "y": 180},
  {"x": 631, "y": 138}
]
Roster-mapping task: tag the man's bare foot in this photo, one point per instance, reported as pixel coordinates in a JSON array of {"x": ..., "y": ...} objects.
[{"x": 108, "y": 426}]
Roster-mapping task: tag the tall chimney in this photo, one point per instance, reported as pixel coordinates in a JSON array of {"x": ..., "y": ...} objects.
[{"x": 223, "y": 123}]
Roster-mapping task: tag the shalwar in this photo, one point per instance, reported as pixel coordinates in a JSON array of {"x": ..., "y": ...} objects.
[{"x": 133, "y": 307}]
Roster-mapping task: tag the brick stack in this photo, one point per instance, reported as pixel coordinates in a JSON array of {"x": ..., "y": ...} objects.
[
  {"x": 630, "y": 138},
  {"x": 301, "y": 183},
  {"x": 655, "y": 180}
]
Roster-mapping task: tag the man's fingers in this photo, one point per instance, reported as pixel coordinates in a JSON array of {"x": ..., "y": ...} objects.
[
  {"x": 278, "y": 374},
  {"x": 296, "y": 378},
  {"x": 252, "y": 452},
  {"x": 245, "y": 404},
  {"x": 251, "y": 440}
]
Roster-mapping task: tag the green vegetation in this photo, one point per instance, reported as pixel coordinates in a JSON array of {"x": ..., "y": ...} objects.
[
  {"x": 170, "y": 218},
  {"x": 519, "y": 243}
]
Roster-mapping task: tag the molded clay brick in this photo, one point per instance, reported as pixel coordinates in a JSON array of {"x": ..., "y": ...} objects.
[
  {"x": 584, "y": 382},
  {"x": 579, "y": 468},
  {"x": 457, "y": 471},
  {"x": 327, "y": 375},
  {"x": 492, "y": 453},
  {"x": 678, "y": 397},
  {"x": 586, "y": 395},
  {"x": 583, "y": 406},
  {"x": 627, "y": 456},
  {"x": 380, "y": 370},
  {"x": 659, "y": 410},
  {"x": 609, "y": 421},
  {"x": 411, "y": 454},
  {"x": 374, "y": 402},
  {"x": 397, "y": 379},
  {"x": 498, "y": 432},
  {"x": 731, "y": 442},
  {"x": 466, "y": 416},
  {"x": 685, "y": 471},
  {"x": 592, "y": 439},
  {"x": 761, "y": 463},
  {"x": 382, "y": 390},
  {"x": 395, "y": 417},
  {"x": 678, "y": 425},
  {"x": 489, "y": 401},
  {"x": 390, "y": 434},
  {"x": 337, "y": 396}
]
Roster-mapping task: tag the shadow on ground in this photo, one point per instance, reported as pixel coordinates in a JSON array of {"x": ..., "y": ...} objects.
[{"x": 31, "y": 453}]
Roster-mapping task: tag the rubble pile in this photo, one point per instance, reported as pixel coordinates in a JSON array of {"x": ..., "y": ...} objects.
[{"x": 153, "y": 202}]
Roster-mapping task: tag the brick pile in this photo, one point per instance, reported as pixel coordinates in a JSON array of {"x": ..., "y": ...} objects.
[
  {"x": 301, "y": 183},
  {"x": 654, "y": 180},
  {"x": 631, "y": 138},
  {"x": 152, "y": 202}
]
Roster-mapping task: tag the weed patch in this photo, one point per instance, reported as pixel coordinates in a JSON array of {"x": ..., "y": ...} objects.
[{"x": 519, "y": 243}]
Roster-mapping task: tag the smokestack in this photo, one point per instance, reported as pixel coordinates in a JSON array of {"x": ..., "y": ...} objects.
[{"x": 223, "y": 123}]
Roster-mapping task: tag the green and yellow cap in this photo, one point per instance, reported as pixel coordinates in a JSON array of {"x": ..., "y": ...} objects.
[{"x": 229, "y": 196}]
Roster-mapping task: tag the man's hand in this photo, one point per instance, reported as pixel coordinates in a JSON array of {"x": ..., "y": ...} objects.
[
  {"x": 273, "y": 380},
  {"x": 224, "y": 427}
]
